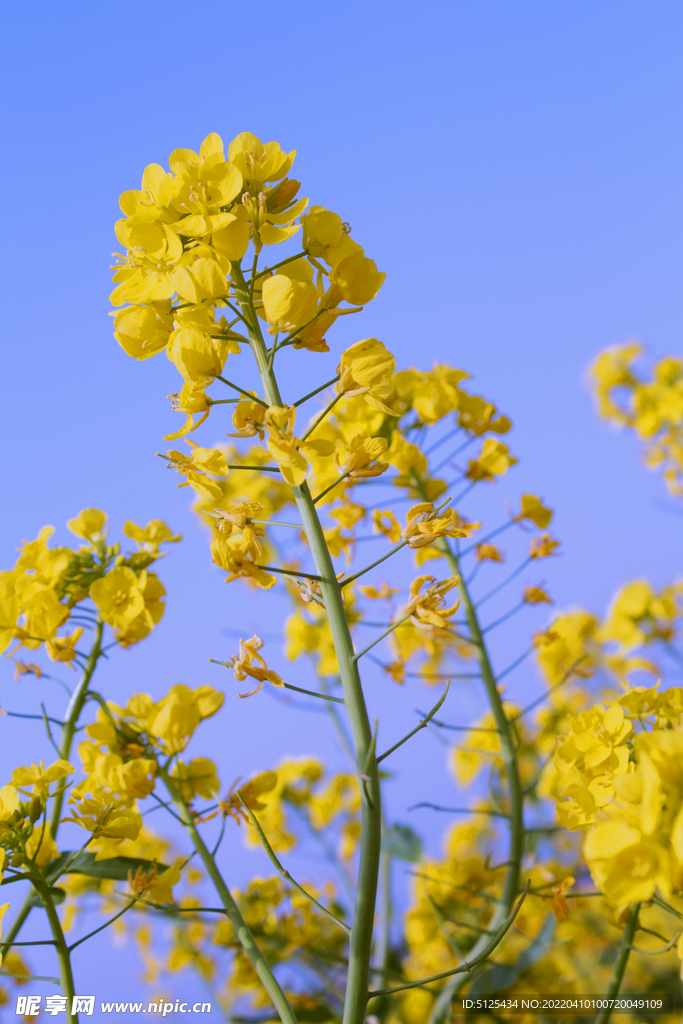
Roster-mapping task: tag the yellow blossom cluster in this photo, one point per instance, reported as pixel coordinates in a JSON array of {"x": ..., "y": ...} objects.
[
  {"x": 46, "y": 585},
  {"x": 653, "y": 408}
]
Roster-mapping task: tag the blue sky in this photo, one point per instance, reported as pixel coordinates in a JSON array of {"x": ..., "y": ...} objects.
[{"x": 514, "y": 168}]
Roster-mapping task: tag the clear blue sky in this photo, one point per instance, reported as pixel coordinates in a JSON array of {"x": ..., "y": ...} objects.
[{"x": 516, "y": 170}]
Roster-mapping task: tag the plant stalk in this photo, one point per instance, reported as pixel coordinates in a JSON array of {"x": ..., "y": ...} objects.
[
  {"x": 242, "y": 929},
  {"x": 621, "y": 961},
  {"x": 360, "y": 950},
  {"x": 442, "y": 1007},
  {"x": 65, "y": 972}
]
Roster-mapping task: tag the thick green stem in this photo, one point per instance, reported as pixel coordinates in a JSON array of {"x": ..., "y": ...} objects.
[
  {"x": 242, "y": 929},
  {"x": 360, "y": 951},
  {"x": 442, "y": 1007},
  {"x": 621, "y": 961},
  {"x": 65, "y": 973}
]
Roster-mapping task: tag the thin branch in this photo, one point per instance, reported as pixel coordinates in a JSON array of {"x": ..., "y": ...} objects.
[
  {"x": 544, "y": 696},
  {"x": 422, "y": 725},
  {"x": 290, "y": 259},
  {"x": 378, "y": 562},
  {"x": 316, "y": 392},
  {"x": 464, "y": 728},
  {"x": 487, "y": 537},
  {"x": 503, "y": 618},
  {"x": 514, "y": 665},
  {"x": 328, "y": 408},
  {"x": 460, "y": 810},
  {"x": 261, "y": 469},
  {"x": 312, "y": 693},
  {"x": 291, "y": 572},
  {"x": 466, "y": 967},
  {"x": 508, "y": 579},
  {"x": 102, "y": 926},
  {"x": 328, "y": 489},
  {"x": 275, "y": 522},
  {"x": 656, "y": 952},
  {"x": 247, "y": 394},
  {"x": 283, "y": 871},
  {"x": 381, "y": 637}
]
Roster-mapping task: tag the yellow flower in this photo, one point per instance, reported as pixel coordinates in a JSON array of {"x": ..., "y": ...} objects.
[
  {"x": 134, "y": 779},
  {"x": 142, "y": 331},
  {"x": 639, "y": 615},
  {"x": 243, "y": 665},
  {"x": 175, "y": 718},
  {"x": 387, "y": 524},
  {"x": 148, "y": 538},
  {"x": 366, "y": 369},
  {"x": 534, "y": 509},
  {"x": 543, "y": 546},
  {"x": 236, "y": 554},
  {"x": 119, "y": 596},
  {"x": 627, "y": 865},
  {"x": 289, "y": 452},
  {"x": 198, "y": 778},
  {"x": 154, "y": 887},
  {"x": 190, "y": 399},
  {"x": 197, "y": 467},
  {"x": 477, "y": 416},
  {"x": 289, "y": 302},
  {"x": 427, "y": 609},
  {"x": 406, "y": 457},
  {"x": 198, "y": 357},
  {"x": 204, "y": 183},
  {"x": 323, "y": 230},
  {"x": 424, "y": 525},
  {"x": 89, "y": 524},
  {"x": 258, "y": 162},
  {"x": 493, "y": 460},
  {"x": 44, "y": 615},
  {"x": 40, "y": 777},
  {"x": 383, "y": 593},
  {"x": 272, "y": 216},
  {"x": 569, "y": 645},
  {"x": 356, "y": 279},
  {"x": 536, "y": 595},
  {"x": 9, "y": 802},
  {"x": 251, "y": 792},
  {"x": 489, "y": 552},
  {"x": 106, "y": 820},
  {"x": 64, "y": 648},
  {"x": 141, "y": 626},
  {"x": 41, "y": 847},
  {"x": 358, "y": 458},
  {"x": 249, "y": 419}
]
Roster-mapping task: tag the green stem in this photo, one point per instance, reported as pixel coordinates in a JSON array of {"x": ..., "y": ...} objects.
[
  {"x": 328, "y": 408},
  {"x": 442, "y": 1007},
  {"x": 17, "y": 923},
  {"x": 621, "y": 961},
  {"x": 283, "y": 871},
  {"x": 65, "y": 972},
  {"x": 360, "y": 950},
  {"x": 242, "y": 929},
  {"x": 73, "y": 713}
]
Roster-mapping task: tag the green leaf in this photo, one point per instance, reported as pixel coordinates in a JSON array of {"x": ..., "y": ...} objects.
[
  {"x": 115, "y": 868},
  {"x": 400, "y": 841}
]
